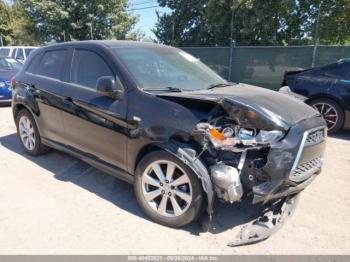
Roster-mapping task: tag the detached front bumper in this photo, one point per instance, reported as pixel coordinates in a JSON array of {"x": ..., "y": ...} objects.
[{"x": 294, "y": 162}]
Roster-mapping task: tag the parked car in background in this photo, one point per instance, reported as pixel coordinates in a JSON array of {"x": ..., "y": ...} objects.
[
  {"x": 19, "y": 53},
  {"x": 325, "y": 88},
  {"x": 160, "y": 119},
  {"x": 8, "y": 68}
]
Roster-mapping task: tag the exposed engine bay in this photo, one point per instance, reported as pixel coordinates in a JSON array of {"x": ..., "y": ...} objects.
[{"x": 227, "y": 147}]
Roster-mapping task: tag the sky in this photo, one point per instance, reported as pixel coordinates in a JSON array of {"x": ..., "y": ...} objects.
[{"x": 146, "y": 10}]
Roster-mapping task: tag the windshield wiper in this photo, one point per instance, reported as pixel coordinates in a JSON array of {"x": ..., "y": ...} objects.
[
  {"x": 218, "y": 85},
  {"x": 168, "y": 88}
]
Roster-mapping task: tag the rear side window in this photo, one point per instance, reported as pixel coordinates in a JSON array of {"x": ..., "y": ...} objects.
[
  {"x": 28, "y": 50},
  {"x": 87, "y": 67},
  {"x": 33, "y": 64},
  {"x": 51, "y": 64},
  {"x": 4, "y": 51}
]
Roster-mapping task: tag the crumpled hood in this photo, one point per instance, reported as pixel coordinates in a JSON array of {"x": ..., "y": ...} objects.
[{"x": 279, "y": 110}]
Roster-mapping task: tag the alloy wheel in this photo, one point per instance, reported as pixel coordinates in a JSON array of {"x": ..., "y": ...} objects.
[
  {"x": 27, "y": 133},
  {"x": 167, "y": 188},
  {"x": 328, "y": 112}
]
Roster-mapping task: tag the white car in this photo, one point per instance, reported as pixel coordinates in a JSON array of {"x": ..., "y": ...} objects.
[{"x": 19, "y": 53}]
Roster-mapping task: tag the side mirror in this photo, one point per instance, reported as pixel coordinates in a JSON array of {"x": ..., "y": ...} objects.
[{"x": 110, "y": 86}]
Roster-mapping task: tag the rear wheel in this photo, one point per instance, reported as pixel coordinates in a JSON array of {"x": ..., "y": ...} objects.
[
  {"x": 332, "y": 113},
  {"x": 29, "y": 134},
  {"x": 167, "y": 190}
]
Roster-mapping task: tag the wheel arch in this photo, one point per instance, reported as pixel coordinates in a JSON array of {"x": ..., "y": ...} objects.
[
  {"x": 189, "y": 156},
  {"x": 20, "y": 106},
  {"x": 326, "y": 96},
  {"x": 334, "y": 100}
]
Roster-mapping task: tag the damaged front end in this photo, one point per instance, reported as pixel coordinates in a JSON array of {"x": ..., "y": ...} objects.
[{"x": 250, "y": 152}]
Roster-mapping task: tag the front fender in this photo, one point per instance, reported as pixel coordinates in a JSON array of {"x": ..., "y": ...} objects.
[{"x": 190, "y": 157}]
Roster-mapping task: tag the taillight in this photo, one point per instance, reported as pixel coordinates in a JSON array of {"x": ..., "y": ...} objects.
[{"x": 13, "y": 82}]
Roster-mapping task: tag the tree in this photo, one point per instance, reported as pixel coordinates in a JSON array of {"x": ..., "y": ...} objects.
[
  {"x": 334, "y": 20},
  {"x": 5, "y": 25},
  {"x": 24, "y": 30},
  {"x": 16, "y": 27},
  {"x": 65, "y": 20},
  {"x": 255, "y": 22}
]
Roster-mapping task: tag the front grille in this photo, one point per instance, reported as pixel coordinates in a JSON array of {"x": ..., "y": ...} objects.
[
  {"x": 305, "y": 170},
  {"x": 303, "y": 167},
  {"x": 315, "y": 137}
]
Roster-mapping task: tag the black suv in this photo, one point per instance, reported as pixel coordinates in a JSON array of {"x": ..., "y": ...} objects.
[{"x": 160, "y": 119}]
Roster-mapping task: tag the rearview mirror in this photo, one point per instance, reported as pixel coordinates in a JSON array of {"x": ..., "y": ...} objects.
[{"x": 110, "y": 86}]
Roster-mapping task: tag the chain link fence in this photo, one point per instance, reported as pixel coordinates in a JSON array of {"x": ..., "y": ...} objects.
[{"x": 265, "y": 65}]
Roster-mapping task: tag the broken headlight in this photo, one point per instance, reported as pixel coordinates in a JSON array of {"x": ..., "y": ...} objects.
[{"x": 249, "y": 137}]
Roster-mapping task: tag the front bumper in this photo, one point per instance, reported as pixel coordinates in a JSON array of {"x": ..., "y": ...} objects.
[
  {"x": 5, "y": 95},
  {"x": 5, "y": 101},
  {"x": 294, "y": 162}
]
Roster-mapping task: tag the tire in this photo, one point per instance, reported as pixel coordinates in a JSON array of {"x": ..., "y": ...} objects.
[
  {"x": 334, "y": 118},
  {"x": 162, "y": 208},
  {"x": 27, "y": 128}
]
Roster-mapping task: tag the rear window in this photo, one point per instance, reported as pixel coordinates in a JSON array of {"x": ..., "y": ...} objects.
[
  {"x": 51, "y": 64},
  {"x": 4, "y": 51}
]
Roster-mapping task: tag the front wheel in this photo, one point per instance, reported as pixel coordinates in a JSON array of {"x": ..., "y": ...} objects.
[
  {"x": 167, "y": 190},
  {"x": 332, "y": 113}
]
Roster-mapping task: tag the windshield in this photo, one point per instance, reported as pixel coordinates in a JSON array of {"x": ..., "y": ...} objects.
[
  {"x": 9, "y": 64},
  {"x": 159, "y": 68}
]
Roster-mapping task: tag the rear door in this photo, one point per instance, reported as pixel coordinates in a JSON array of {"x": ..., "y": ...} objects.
[
  {"x": 45, "y": 77},
  {"x": 95, "y": 124}
]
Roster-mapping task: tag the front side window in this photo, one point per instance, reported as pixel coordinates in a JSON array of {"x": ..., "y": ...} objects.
[
  {"x": 87, "y": 67},
  {"x": 9, "y": 64},
  {"x": 158, "y": 68},
  {"x": 51, "y": 64}
]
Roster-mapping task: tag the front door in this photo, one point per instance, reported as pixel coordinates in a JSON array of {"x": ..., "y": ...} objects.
[{"x": 95, "y": 124}]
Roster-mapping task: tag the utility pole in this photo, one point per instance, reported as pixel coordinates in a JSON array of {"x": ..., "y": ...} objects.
[
  {"x": 91, "y": 34},
  {"x": 231, "y": 46},
  {"x": 316, "y": 37},
  {"x": 233, "y": 37}
]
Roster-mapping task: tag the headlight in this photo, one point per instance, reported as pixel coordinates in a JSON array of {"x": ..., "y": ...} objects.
[
  {"x": 268, "y": 137},
  {"x": 2, "y": 84},
  {"x": 248, "y": 137}
]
